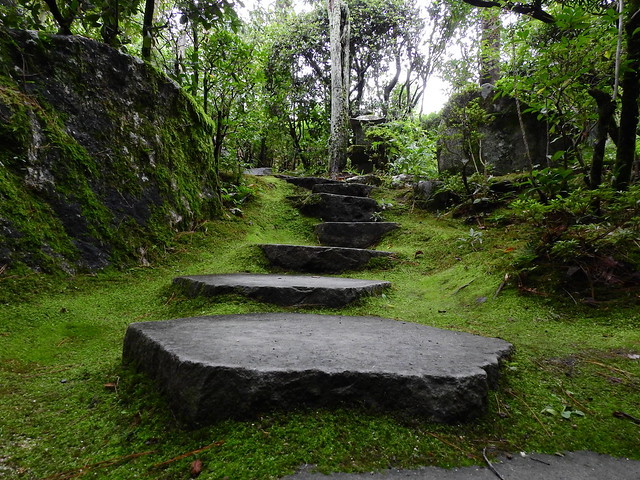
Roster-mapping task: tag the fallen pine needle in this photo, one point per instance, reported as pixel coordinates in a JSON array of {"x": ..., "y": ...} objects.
[
  {"x": 87, "y": 468},
  {"x": 534, "y": 414},
  {"x": 452, "y": 445},
  {"x": 463, "y": 286},
  {"x": 614, "y": 369},
  {"x": 188, "y": 454},
  {"x": 490, "y": 465}
]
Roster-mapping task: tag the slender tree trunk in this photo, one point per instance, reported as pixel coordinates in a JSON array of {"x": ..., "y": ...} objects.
[
  {"x": 625, "y": 154},
  {"x": 195, "y": 63},
  {"x": 64, "y": 23},
  {"x": 490, "y": 47},
  {"x": 339, "y": 37},
  {"x": 111, "y": 23},
  {"x": 391, "y": 85},
  {"x": 147, "y": 32},
  {"x": 606, "y": 109}
]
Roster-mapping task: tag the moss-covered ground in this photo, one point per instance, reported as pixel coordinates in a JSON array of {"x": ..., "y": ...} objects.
[{"x": 68, "y": 409}]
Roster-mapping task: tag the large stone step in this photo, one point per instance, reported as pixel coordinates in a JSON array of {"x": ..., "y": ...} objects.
[
  {"x": 306, "y": 182},
  {"x": 283, "y": 289},
  {"x": 340, "y": 208},
  {"x": 352, "y": 234},
  {"x": 302, "y": 258},
  {"x": 211, "y": 368},
  {"x": 352, "y": 189}
]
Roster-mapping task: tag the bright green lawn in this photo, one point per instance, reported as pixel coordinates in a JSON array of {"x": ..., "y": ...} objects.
[{"x": 66, "y": 402}]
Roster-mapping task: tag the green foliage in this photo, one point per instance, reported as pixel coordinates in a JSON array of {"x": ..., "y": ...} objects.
[
  {"x": 406, "y": 146},
  {"x": 473, "y": 239},
  {"x": 553, "y": 69},
  {"x": 595, "y": 232},
  {"x": 462, "y": 121},
  {"x": 549, "y": 182}
]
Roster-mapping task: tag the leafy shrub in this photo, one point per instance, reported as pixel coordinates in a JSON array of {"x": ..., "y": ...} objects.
[
  {"x": 408, "y": 147},
  {"x": 593, "y": 236}
]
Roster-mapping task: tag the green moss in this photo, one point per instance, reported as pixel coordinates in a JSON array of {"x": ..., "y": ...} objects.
[{"x": 62, "y": 342}]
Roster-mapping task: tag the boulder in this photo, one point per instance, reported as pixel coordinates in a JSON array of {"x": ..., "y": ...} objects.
[
  {"x": 502, "y": 149},
  {"x": 368, "y": 179},
  {"x": 427, "y": 194}
]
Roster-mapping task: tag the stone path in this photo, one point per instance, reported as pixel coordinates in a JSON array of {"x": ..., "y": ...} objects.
[
  {"x": 350, "y": 206},
  {"x": 239, "y": 365}
]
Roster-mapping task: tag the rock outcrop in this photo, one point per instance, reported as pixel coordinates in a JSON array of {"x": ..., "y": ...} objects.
[
  {"x": 102, "y": 156},
  {"x": 490, "y": 136}
]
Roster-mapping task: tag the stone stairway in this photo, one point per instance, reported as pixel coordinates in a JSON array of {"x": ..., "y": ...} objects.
[
  {"x": 237, "y": 366},
  {"x": 349, "y": 209},
  {"x": 349, "y": 205}
]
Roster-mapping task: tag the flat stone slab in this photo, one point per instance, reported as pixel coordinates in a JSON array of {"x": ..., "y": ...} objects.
[
  {"x": 283, "y": 289},
  {"x": 353, "y": 189},
  {"x": 340, "y": 208},
  {"x": 352, "y": 234},
  {"x": 259, "y": 172},
  {"x": 211, "y": 368},
  {"x": 535, "y": 466},
  {"x": 306, "y": 182},
  {"x": 302, "y": 258}
]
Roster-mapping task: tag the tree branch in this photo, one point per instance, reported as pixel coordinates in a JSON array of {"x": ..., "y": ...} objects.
[{"x": 533, "y": 10}]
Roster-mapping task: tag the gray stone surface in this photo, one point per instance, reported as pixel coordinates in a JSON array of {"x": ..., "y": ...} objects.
[
  {"x": 353, "y": 189},
  {"x": 259, "y": 171},
  {"x": 302, "y": 258},
  {"x": 368, "y": 179},
  {"x": 502, "y": 148},
  {"x": 283, "y": 289},
  {"x": 216, "y": 367},
  {"x": 340, "y": 208},
  {"x": 306, "y": 182},
  {"x": 571, "y": 466},
  {"x": 352, "y": 234},
  {"x": 426, "y": 194}
]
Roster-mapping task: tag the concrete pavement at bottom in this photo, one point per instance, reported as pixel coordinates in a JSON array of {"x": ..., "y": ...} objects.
[{"x": 568, "y": 466}]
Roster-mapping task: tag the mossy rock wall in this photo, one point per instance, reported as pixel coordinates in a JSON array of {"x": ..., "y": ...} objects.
[
  {"x": 102, "y": 157},
  {"x": 484, "y": 130}
]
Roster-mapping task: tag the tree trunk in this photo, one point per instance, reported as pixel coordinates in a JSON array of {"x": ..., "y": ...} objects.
[
  {"x": 147, "y": 32},
  {"x": 490, "y": 47},
  {"x": 606, "y": 109},
  {"x": 625, "y": 154},
  {"x": 195, "y": 63},
  {"x": 111, "y": 23},
  {"x": 386, "y": 103},
  {"x": 339, "y": 37},
  {"x": 64, "y": 23}
]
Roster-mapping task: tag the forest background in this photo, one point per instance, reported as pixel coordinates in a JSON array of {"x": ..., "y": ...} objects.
[{"x": 265, "y": 83}]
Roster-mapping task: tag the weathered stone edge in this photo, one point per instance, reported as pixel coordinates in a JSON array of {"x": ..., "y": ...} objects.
[{"x": 284, "y": 296}]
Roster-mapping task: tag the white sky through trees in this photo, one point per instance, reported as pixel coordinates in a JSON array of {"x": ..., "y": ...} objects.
[{"x": 435, "y": 94}]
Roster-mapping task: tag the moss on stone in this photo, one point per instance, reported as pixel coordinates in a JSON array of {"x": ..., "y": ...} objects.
[{"x": 103, "y": 158}]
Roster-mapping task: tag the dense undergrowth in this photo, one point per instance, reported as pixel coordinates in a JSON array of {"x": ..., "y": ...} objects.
[{"x": 69, "y": 409}]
